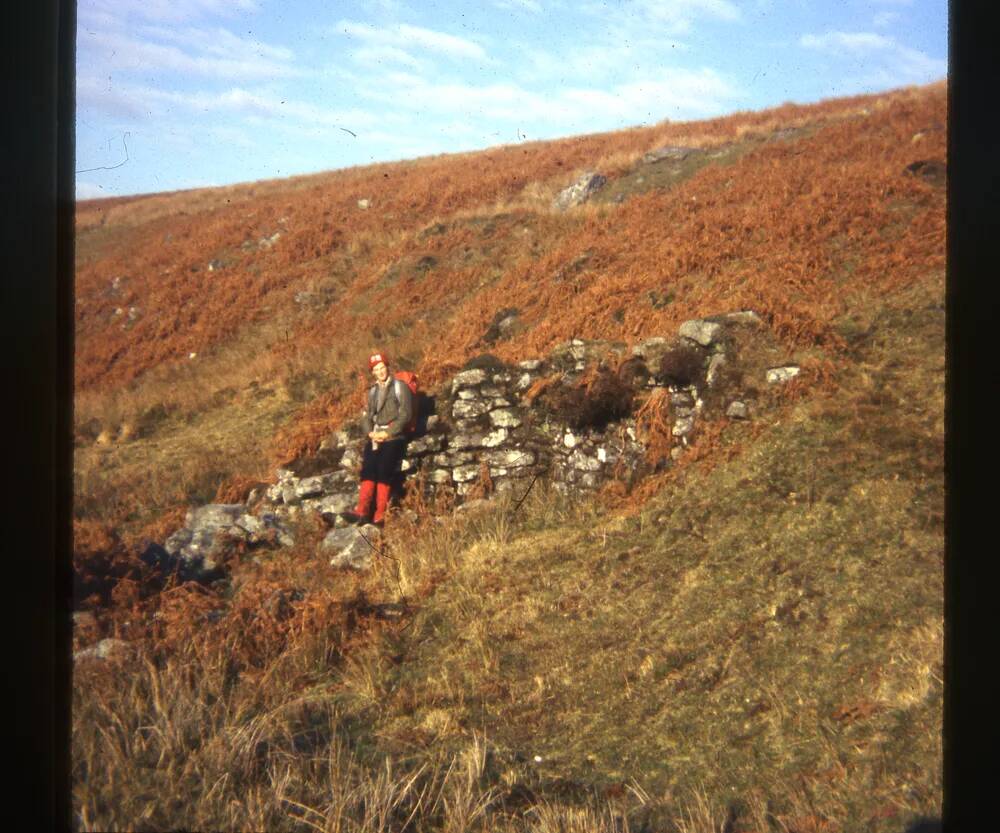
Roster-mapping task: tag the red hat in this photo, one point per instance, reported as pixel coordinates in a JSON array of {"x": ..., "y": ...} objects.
[{"x": 377, "y": 358}]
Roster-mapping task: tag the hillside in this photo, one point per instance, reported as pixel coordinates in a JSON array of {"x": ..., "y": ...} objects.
[{"x": 750, "y": 641}]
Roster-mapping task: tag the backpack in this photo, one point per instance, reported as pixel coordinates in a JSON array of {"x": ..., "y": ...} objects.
[{"x": 409, "y": 379}]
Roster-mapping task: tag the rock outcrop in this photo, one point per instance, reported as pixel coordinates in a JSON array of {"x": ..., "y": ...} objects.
[
  {"x": 194, "y": 548},
  {"x": 580, "y": 191},
  {"x": 672, "y": 153}
]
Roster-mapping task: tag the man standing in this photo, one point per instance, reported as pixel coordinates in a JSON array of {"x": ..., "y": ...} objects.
[{"x": 388, "y": 411}]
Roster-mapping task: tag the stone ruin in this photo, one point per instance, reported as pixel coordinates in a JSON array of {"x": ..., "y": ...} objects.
[{"x": 495, "y": 428}]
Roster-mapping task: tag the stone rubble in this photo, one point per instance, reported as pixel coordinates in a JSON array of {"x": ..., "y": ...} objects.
[
  {"x": 194, "y": 548},
  {"x": 485, "y": 438}
]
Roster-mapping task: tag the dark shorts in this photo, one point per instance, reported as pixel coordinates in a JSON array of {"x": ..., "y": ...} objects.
[{"x": 383, "y": 465}]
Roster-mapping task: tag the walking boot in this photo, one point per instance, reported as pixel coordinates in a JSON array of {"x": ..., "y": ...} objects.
[
  {"x": 363, "y": 511},
  {"x": 383, "y": 490}
]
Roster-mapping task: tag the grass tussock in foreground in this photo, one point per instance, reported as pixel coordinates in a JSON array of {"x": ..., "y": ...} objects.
[{"x": 756, "y": 648}]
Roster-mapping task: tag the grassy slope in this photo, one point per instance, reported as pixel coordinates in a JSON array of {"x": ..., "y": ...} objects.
[
  {"x": 761, "y": 638},
  {"x": 804, "y": 229},
  {"x": 774, "y": 624},
  {"x": 762, "y": 641}
]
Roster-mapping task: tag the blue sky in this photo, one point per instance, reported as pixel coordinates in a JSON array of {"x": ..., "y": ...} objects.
[{"x": 198, "y": 93}]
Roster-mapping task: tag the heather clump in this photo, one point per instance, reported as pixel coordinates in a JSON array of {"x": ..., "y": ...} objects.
[
  {"x": 683, "y": 365},
  {"x": 594, "y": 403}
]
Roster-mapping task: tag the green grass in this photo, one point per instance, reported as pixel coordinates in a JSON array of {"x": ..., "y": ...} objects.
[{"x": 665, "y": 174}]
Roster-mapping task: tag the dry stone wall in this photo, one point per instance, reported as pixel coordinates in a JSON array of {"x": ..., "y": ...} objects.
[{"x": 491, "y": 433}]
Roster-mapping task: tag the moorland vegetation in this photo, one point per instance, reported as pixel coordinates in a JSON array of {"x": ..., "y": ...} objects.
[{"x": 750, "y": 640}]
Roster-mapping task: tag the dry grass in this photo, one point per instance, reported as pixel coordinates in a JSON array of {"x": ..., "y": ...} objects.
[
  {"x": 750, "y": 641},
  {"x": 759, "y": 648},
  {"x": 804, "y": 230}
]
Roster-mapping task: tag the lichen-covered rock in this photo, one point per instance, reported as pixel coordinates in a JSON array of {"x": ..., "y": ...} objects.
[
  {"x": 683, "y": 426},
  {"x": 351, "y": 547},
  {"x": 106, "y": 649},
  {"x": 465, "y": 474},
  {"x": 251, "y": 523},
  {"x": 738, "y": 410},
  {"x": 714, "y": 365},
  {"x": 512, "y": 458},
  {"x": 335, "y": 504},
  {"x": 322, "y": 484},
  {"x": 465, "y": 440},
  {"x": 777, "y": 375},
  {"x": 681, "y": 399},
  {"x": 744, "y": 316},
  {"x": 495, "y": 438},
  {"x": 351, "y": 459},
  {"x": 468, "y": 379},
  {"x": 478, "y": 440},
  {"x": 650, "y": 348},
  {"x": 525, "y": 381},
  {"x": 196, "y": 543},
  {"x": 505, "y": 418},
  {"x": 469, "y": 408},
  {"x": 427, "y": 444},
  {"x": 583, "y": 462},
  {"x": 580, "y": 191},
  {"x": 570, "y": 354},
  {"x": 702, "y": 331}
]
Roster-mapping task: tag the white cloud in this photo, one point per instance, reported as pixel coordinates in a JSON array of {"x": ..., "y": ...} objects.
[
  {"x": 212, "y": 54},
  {"x": 665, "y": 16},
  {"x": 918, "y": 67},
  {"x": 838, "y": 43},
  {"x": 403, "y": 35},
  {"x": 384, "y": 54},
  {"x": 134, "y": 100},
  {"x": 392, "y": 8},
  {"x": 884, "y": 61},
  {"x": 100, "y": 95},
  {"x": 586, "y": 61},
  {"x": 163, "y": 11},
  {"x": 676, "y": 92},
  {"x": 519, "y": 5},
  {"x": 673, "y": 92},
  {"x": 884, "y": 19},
  {"x": 89, "y": 191},
  {"x": 218, "y": 41},
  {"x": 260, "y": 105}
]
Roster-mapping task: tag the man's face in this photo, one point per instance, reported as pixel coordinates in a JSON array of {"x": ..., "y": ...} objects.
[{"x": 380, "y": 372}]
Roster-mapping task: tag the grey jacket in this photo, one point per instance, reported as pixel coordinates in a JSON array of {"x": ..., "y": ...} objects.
[{"x": 396, "y": 410}]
